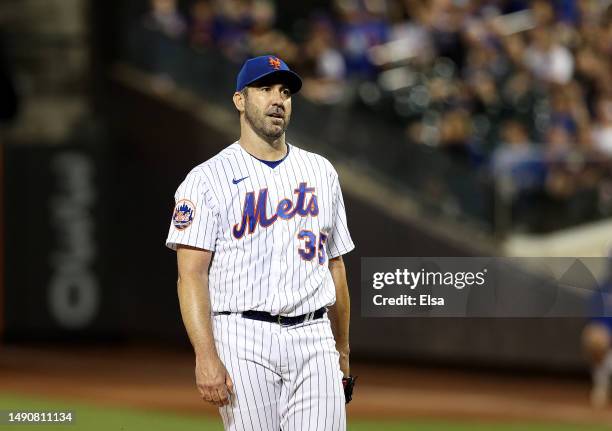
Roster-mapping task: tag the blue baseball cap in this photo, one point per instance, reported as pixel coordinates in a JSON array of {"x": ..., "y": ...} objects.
[{"x": 257, "y": 68}]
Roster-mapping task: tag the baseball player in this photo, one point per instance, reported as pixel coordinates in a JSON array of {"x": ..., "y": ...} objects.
[
  {"x": 597, "y": 341},
  {"x": 260, "y": 230}
]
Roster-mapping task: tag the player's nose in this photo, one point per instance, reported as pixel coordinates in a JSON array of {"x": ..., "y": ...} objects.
[
  {"x": 277, "y": 97},
  {"x": 279, "y": 94}
]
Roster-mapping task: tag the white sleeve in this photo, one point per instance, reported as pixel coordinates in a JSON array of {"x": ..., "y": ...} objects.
[
  {"x": 194, "y": 220},
  {"x": 339, "y": 241}
]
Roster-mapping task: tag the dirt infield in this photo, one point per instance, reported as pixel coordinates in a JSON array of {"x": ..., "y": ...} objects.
[{"x": 163, "y": 380}]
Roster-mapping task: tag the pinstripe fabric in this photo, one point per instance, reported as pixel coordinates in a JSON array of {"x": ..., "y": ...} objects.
[
  {"x": 263, "y": 270},
  {"x": 274, "y": 260},
  {"x": 285, "y": 378}
]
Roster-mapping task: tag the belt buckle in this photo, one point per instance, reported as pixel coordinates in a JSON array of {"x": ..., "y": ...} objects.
[{"x": 279, "y": 320}]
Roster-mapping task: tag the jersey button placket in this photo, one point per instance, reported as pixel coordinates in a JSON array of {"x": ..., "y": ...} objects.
[{"x": 276, "y": 255}]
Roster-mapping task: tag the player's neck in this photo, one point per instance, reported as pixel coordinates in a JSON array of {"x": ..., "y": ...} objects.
[{"x": 262, "y": 149}]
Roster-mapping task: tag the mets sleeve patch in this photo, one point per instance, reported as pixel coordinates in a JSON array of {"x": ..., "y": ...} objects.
[{"x": 184, "y": 211}]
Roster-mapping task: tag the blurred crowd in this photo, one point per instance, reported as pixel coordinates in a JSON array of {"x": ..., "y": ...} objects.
[{"x": 521, "y": 90}]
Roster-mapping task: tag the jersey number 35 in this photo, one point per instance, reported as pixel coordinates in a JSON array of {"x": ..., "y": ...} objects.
[{"x": 312, "y": 246}]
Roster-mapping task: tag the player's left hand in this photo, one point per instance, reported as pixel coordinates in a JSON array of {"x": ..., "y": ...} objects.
[{"x": 348, "y": 384}]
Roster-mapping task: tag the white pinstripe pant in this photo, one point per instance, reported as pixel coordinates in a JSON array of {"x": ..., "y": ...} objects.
[{"x": 285, "y": 378}]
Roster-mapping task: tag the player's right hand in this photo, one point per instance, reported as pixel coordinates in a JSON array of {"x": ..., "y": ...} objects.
[{"x": 213, "y": 381}]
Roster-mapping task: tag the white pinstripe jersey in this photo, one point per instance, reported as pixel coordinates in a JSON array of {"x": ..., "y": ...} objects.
[{"x": 272, "y": 230}]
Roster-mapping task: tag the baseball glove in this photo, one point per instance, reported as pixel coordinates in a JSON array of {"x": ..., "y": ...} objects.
[{"x": 348, "y": 383}]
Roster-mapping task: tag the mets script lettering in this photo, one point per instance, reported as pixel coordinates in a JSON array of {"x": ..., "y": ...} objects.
[{"x": 254, "y": 211}]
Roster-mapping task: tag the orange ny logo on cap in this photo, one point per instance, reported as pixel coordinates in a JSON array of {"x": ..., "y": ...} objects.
[{"x": 274, "y": 62}]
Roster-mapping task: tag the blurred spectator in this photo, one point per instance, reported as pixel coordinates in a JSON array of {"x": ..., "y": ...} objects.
[
  {"x": 514, "y": 48},
  {"x": 520, "y": 97},
  {"x": 567, "y": 11},
  {"x": 520, "y": 175},
  {"x": 409, "y": 37},
  {"x": 602, "y": 129},
  {"x": 548, "y": 59},
  {"x": 165, "y": 18},
  {"x": 567, "y": 109},
  {"x": 486, "y": 99},
  {"x": 202, "y": 24},
  {"x": 591, "y": 72},
  {"x": 517, "y": 163},
  {"x": 455, "y": 136},
  {"x": 514, "y": 148},
  {"x": 543, "y": 12},
  {"x": 234, "y": 20},
  {"x": 558, "y": 144},
  {"x": 446, "y": 20},
  {"x": 323, "y": 65},
  {"x": 360, "y": 30},
  {"x": 605, "y": 39},
  {"x": 567, "y": 167},
  {"x": 263, "y": 38}
]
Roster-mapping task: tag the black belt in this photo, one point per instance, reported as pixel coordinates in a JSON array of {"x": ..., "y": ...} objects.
[{"x": 282, "y": 320}]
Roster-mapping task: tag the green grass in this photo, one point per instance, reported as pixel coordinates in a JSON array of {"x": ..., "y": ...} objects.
[
  {"x": 94, "y": 418},
  {"x": 91, "y": 418},
  {"x": 465, "y": 426}
]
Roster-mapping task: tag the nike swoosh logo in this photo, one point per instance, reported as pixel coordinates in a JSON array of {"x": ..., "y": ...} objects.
[{"x": 235, "y": 181}]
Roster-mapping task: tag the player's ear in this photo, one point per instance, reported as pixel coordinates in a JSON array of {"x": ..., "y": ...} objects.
[{"x": 239, "y": 101}]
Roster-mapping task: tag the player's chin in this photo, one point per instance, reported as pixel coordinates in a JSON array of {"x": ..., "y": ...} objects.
[{"x": 275, "y": 132}]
